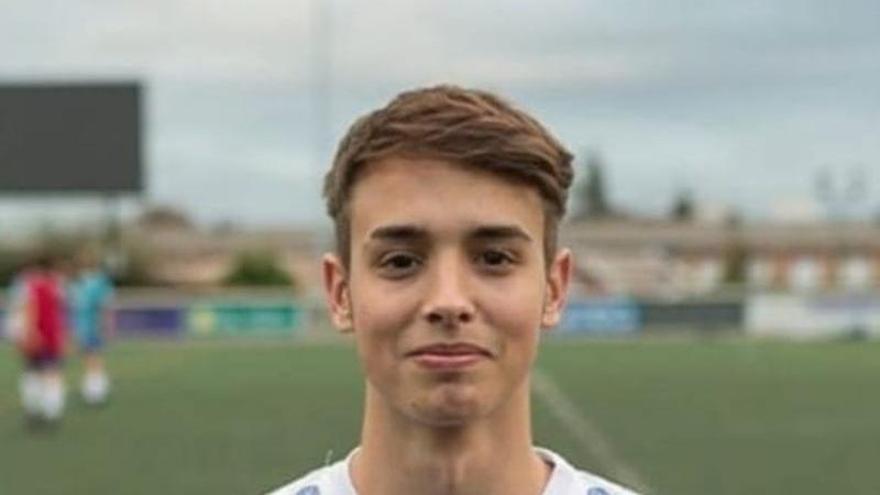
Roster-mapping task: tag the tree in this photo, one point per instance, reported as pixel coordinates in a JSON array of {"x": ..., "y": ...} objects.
[
  {"x": 10, "y": 262},
  {"x": 135, "y": 264},
  {"x": 736, "y": 253},
  {"x": 592, "y": 197},
  {"x": 683, "y": 206},
  {"x": 258, "y": 268},
  {"x": 164, "y": 217},
  {"x": 736, "y": 257}
]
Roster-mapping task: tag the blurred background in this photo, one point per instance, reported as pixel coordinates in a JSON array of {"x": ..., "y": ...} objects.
[{"x": 721, "y": 337}]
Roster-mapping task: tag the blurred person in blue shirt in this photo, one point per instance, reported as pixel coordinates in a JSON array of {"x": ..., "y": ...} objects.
[{"x": 91, "y": 296}]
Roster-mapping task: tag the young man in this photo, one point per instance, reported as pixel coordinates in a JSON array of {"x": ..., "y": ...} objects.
[
  {"x": 91, "y": 293},
  {"x": 446, "y": 204}
]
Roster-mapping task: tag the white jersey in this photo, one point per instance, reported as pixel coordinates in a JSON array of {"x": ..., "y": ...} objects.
[{"x": 564, "y": 480}]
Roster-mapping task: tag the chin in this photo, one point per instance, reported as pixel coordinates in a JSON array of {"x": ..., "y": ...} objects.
[
  {"x": 446, "y": 418},
  {"x": 451, "y": 406}
]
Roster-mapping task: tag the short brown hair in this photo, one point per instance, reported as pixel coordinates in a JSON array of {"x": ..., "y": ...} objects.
[{"x": 472, "y": 127}]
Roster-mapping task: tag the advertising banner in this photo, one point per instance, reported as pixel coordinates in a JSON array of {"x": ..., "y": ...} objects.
[
  {"x": 151, "y": 321},
  {"x": 813, "y": 316},
  {"x": 244, "y": 319},
  {"x": 601, "y": 316},
  {"x": 692, "y": 315}
]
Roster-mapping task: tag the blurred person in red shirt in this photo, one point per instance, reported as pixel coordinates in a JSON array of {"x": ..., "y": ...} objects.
[{"x": 37, "y": 324}]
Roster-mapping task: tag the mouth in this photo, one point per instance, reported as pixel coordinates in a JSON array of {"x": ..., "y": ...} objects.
[{"x": 449, "y": 356}]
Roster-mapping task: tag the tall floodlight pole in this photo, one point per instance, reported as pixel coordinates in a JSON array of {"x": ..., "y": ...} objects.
[
  {"x": 321, "y": 101},
  {"x": 322, "y": 63}
]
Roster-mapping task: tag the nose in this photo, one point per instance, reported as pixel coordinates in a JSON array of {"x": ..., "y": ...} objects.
[{"x": 448, "y": 302}]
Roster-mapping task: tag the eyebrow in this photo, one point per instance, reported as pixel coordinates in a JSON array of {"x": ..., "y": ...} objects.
[
  {"x": 415, "y": 233},
  {"x": 398, "y": 233},
  {"x": 500, "y": 232}
]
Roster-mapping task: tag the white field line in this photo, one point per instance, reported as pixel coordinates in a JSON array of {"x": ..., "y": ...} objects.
[{"x": 588, "y": 436}]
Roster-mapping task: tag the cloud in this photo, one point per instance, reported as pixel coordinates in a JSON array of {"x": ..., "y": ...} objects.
[
  {"x": 741, "y": 99},
  {"x": 175, "y": 40}
]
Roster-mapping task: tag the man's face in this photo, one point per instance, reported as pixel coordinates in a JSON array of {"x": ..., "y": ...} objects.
[{"x": 446, "y": 289}]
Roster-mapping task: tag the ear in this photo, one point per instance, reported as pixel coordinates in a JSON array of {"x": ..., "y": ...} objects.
[
  {"x": 336, "y": 292},
  {"x": 558, "y": 278}
]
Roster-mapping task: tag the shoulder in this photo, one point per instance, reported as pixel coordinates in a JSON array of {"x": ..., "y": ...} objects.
[
  {"x": 594, "y": 485},
  {"x": 309, "y": 484},
  {"x": 328, "y": 480},
  {"x": 567, "y": 479}
]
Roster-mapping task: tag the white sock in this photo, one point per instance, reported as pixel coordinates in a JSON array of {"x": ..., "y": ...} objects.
[
  {"x": 95, "y": 387},
  {"x": 53, "y": 399},
  {"x": 30, "y": 388}
]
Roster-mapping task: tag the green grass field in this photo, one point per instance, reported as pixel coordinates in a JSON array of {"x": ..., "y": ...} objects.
[{"x": 240, "y": 417}]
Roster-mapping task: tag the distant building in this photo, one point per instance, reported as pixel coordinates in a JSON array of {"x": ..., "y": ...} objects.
[
  {"x": 637, "y": 257},
  {"x": 200, "y": 258},
  {"x": 679, "y": 259},
  {"x": 803, "y": 210}
]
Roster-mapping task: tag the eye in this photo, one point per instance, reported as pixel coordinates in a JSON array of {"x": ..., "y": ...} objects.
[
  {"x": 397, "y": 265},
  {"x": 495, "y": 260}
]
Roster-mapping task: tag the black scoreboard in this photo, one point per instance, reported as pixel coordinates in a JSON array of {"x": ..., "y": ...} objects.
[{"x": 71, "y": 138}]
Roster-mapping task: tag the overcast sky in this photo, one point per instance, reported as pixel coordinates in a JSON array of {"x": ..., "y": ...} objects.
[{"x": 739, "y": 101}]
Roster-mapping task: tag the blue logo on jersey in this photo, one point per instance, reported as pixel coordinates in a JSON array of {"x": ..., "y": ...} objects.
[
  {"x": 597, "y": 491},
  {"x": 309, "y": 490}
]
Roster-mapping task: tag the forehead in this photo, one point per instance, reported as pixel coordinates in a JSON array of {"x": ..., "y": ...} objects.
[{"x": 440, "y": 196}]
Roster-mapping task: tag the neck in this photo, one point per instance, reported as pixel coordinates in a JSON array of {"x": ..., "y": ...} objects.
[{"x": 486, "y": 456}]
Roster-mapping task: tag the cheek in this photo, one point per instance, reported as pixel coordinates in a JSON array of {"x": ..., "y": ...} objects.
[
  {"x": 379, "y": 320},
  {"x": 380, "y": 310},
  {"x": 514, "y": 310}
]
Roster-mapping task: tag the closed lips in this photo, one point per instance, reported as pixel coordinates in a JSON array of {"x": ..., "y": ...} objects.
[{"x": 450, "y": 350}]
